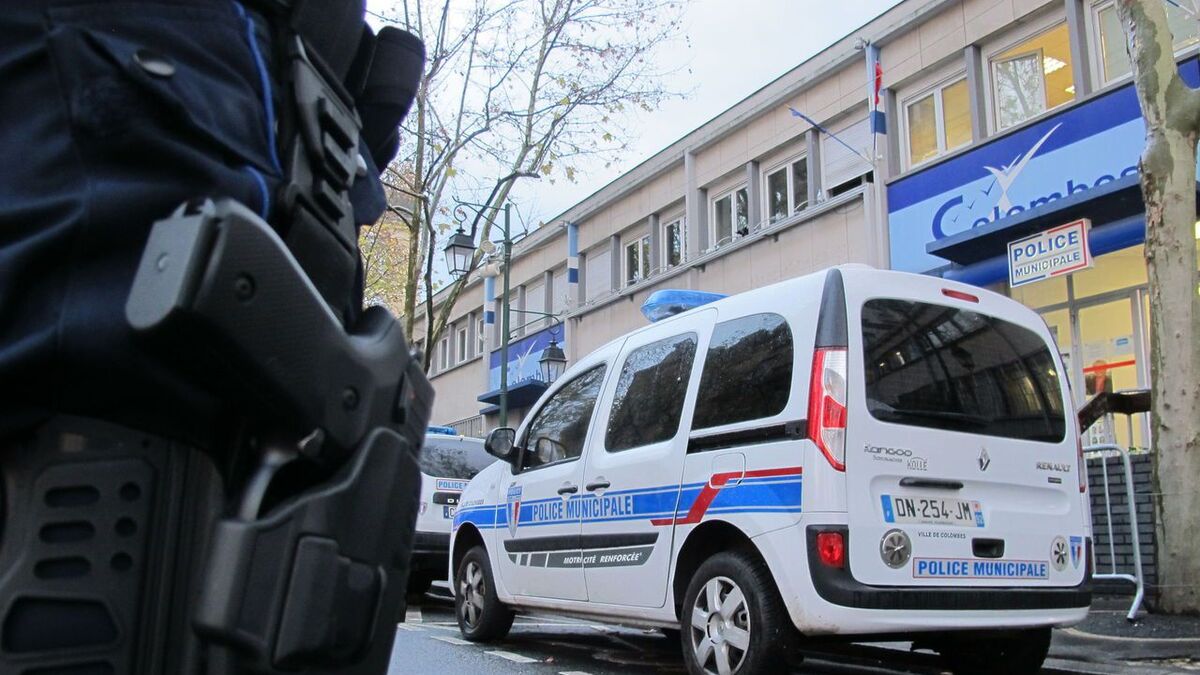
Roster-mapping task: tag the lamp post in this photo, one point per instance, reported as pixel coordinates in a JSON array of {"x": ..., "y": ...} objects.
[{"x": 459, "y": 251}]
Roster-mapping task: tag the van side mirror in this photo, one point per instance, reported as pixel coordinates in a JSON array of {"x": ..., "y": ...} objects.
[{"x": 502, "y": 444}]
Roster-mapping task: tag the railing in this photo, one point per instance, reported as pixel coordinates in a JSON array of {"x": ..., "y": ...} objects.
[
  {"x": 471, "y": 426},
  {"x": 1103, "y": 452},
  {"x": 1101, "y": 408}
]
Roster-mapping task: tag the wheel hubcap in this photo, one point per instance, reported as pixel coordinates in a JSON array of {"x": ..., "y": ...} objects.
[
  {"x": 720, "y": 627},
  {"x": 472, "y": 591}
]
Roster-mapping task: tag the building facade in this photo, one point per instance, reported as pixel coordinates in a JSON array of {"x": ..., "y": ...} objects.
[{"x": 985, "y": 122}]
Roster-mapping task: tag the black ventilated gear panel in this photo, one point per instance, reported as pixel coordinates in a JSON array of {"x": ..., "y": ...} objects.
[{"x": 91, "y": 544}]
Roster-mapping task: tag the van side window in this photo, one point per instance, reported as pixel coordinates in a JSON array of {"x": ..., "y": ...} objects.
[
  {"x": 748, "y": 372},
  {"x": 649, "y": 399},
  {"x": 558, "y": 431}
]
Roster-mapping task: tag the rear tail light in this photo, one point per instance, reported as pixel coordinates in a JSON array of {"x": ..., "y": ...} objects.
[
  {"x": 831, "y": 548},
  {"x": 827, "y": 404},
  {"x": 959, "y": 295}
]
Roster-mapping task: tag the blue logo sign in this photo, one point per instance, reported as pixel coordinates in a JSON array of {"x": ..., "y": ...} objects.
[
  {"x": 523, "y": 357},
  {"x": 1066, "y": 154}
]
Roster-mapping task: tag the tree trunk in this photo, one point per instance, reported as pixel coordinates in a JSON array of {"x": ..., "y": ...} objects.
[
  {"x": 1168, "y": 177},
  {"x": 1169, "y": 189}
]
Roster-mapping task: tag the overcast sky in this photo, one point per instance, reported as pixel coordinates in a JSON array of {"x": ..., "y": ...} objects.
[{"x": 737, "y": 46}]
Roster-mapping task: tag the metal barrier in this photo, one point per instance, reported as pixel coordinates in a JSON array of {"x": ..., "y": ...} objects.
[
  {"x": 1104, "y": 451},
  {"x": 471, "y": 426}
]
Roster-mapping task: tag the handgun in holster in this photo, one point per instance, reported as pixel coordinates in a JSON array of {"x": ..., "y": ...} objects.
[{"x": 285, "y": 550}]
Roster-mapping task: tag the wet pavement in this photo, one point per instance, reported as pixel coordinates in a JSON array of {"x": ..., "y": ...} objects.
[{"x": 429, "y": 642}]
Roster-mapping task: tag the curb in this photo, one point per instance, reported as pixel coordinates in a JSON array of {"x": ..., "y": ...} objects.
[
  {"x": 1165, "y": 642},
  {"x": 1055, "y": 666}
]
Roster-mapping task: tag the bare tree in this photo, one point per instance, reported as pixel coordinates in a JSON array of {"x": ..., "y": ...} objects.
[
  {"x": 515, "y": 90},
  {"x": 1168, "y": 176},
  {"x": 385, "y": 250}
]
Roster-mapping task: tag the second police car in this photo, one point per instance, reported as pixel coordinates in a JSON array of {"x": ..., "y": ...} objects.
[
  {"x": 850, "y": 453},
  {"x": 448, "y": 461}
]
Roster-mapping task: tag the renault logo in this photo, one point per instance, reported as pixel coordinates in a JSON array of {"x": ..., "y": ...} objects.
[{"x": 985, "y": 460}]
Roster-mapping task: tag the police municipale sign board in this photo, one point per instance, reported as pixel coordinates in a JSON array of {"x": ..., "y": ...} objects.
[{"x": 1055, "y": 252}]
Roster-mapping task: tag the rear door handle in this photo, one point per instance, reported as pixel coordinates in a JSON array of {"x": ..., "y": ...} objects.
[
  {"x": 568, "y": 489},
  {"x": 931, "y": 483},
  {"x": 598, "y": 484}
]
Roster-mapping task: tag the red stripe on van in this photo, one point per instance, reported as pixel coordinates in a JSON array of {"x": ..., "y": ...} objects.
[{"x": 715, "y": 483}]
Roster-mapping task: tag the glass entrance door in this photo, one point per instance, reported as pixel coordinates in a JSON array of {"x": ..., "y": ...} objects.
[{"x": 1108, "y": 357}]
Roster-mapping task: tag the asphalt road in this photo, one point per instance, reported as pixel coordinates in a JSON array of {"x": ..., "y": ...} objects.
[{"x": 429, "y": 642}]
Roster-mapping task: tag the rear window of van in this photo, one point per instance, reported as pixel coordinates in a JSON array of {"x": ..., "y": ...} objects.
[
  {"x": 454, "y": 458},
  {"x": 942, "y": 367}
]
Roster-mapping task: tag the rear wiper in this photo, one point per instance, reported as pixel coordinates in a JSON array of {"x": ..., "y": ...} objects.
[{"x": 962, "y": 419}]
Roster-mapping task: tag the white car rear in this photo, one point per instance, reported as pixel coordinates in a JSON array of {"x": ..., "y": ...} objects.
[
  {"x": 448, "y": 463},
  {"x": 851, "y": 453}
]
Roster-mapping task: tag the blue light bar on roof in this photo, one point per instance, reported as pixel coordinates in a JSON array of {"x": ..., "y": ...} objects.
[
  {"x": 445, "y": 431},
  {"x": 668, "y": 302}
]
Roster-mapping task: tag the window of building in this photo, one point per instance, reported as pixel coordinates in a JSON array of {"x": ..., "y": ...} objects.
[
  {"x": 747, "y": 373},
  {"x": 846, "y": 158},
  {"x": 673, "y": 243},
  {"x": 731, "y": 216},
  {"x": 799, "y": 184},
  {"x": 560, "y": 427},
  {"x": 787, "y": 189},
  {"x": 462, "y": 344},
  {"x": 937, "y": 122},
  {"x": 1032, "y": 77},
  {"x": 637, "y": 260},
  {"x": 480, "y": 337},
  {"x": 597, "y": 273},
  {"x": 1114, "y": 58},
  {"x": 444, "y": 354},
  {"x": 649, "y": 398}
]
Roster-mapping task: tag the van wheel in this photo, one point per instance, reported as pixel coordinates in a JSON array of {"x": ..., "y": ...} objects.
[
  {"x": 481, "y": 616},
  {"x": 1010, "y": 653},
  {"x": 733, "y": 620}
]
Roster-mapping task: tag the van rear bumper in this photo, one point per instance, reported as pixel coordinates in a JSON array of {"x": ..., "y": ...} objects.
[
  {"x": 839, "y": 587},
  {"x": 431, "y": 552}
]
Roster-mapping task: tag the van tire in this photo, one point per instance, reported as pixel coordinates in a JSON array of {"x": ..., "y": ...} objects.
[
  {"x": 761, "y": 614},
  {"x": 480, "y": 614},
  {"x": 1015, "y": 654}
]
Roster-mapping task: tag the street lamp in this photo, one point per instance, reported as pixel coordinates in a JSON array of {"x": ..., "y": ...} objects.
[
  {"x": 461, "y": 247},
  {"x": 553, "y": 362},
  {"x": 459, "y": 251}
]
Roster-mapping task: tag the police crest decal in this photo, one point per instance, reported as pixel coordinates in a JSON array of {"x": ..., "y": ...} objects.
[{"x": 514, "y": 508}]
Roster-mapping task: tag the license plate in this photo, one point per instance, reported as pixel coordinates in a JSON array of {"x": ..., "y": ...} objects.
[
  {"x": 932, "y": 511},
  {"x": 448, "y": 511}
]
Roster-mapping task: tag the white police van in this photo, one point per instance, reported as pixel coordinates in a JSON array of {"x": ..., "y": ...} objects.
[
  {"x": 854, "y": 454},
  {"x": 448, "y": 462}
]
